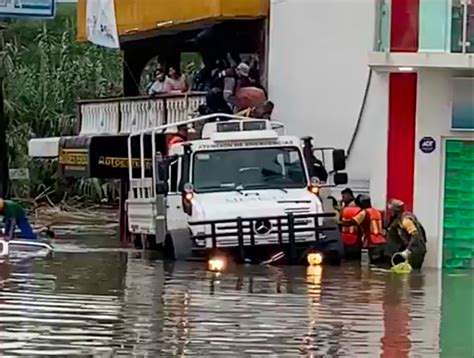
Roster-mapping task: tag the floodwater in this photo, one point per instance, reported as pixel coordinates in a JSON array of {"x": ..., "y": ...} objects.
[{"x": 92, "y": 299}]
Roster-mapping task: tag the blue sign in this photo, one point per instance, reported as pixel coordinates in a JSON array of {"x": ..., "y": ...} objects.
[
  {"x": 37, "y": 9},
  {"x": 427, "y": 145}
]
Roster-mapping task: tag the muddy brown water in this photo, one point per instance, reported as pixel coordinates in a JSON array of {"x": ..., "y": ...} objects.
[{"x": 94, "y": 299}]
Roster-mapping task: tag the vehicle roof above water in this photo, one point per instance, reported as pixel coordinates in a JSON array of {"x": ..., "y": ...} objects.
[
  {"x": 209, "y": 145},
  {"x": 242, "y": 143},
  {"x": 239, "y": 134},
  {"x": 249, "y": 125}
]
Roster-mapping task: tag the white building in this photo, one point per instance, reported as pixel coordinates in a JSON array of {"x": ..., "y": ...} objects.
[{"x": 414, "y": 139}]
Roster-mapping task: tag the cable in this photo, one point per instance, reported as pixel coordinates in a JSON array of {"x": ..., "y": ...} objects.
[
  {"x": 361, "y": 114},
  {"x": 132, "y": 75}
]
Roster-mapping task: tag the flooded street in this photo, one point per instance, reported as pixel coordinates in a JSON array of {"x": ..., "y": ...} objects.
[{"x": 92, "y": 299}]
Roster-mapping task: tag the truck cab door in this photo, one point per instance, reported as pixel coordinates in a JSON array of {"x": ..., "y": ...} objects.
[
  {"x": 176, "y": 217},
  {"x": 161, "y": 190}
]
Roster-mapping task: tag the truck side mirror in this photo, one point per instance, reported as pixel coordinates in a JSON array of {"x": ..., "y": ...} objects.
[
  {"x": 339, "y": 160},
  {"x": 340, "y": 178}
]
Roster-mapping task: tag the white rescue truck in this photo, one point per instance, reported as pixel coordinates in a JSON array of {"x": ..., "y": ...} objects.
[{"x": 243, "y": 189}]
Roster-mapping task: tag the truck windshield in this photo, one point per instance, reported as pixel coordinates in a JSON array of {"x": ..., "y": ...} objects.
[{"x": 248, "y": 169}]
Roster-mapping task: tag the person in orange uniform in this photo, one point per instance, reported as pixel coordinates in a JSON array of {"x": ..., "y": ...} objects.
[
  {"x": 370, "y": 222},
  {"x": 350, "y": 231},
  {"x": 179, "y": 137}
]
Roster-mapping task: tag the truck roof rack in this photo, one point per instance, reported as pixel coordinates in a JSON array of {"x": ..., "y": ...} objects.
[{"x": 204, "y": 119}]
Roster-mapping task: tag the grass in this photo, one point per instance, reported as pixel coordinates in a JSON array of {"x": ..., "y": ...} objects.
[{"x": 44, "y": 71}]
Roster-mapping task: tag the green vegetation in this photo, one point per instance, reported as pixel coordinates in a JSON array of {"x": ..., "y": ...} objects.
[{"x": 44, "y": 72}]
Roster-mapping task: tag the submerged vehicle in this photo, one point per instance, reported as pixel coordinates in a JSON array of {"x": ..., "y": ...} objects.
[
  {"x": 242, "y": 189},
  {"x": 20, "y": 245}
]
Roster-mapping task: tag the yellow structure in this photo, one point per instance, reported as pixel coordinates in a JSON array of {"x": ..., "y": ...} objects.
[{"x": 150, "y": 17}]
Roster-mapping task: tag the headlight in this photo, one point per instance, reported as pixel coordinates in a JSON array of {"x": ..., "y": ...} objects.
[
  {"x": 315, "y": 259},
  {"x": 216, "y": 264}
]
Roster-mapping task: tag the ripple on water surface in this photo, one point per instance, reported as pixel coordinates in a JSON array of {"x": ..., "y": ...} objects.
[{"x": 115, "y": 303}]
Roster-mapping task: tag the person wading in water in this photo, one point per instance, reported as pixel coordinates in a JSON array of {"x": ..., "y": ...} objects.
[{"x": 405, "y": 235}]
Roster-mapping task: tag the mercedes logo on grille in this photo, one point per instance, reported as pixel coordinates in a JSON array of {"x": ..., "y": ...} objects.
[{"x": 262, "y": 227}]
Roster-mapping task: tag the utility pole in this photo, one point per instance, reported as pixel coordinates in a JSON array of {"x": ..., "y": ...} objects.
[{"x": 4, "y": 179}]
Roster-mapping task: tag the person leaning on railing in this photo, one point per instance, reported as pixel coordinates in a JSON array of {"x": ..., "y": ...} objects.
[
  {"x": 175, "y": 82},
  {"x": 215, "y": 103},
  {"x": 158, "y": 86}
]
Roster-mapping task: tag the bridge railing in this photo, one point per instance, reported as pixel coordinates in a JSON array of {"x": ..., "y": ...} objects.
[{"x": 130, "y": 114}]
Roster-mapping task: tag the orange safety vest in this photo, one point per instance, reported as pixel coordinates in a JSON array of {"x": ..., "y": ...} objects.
[
  {"x": 171, "y": 140},
  {"x": 175, "y": 140},
  {"x": 372, "y": 228},
  {"x": 350, "y": 234}
]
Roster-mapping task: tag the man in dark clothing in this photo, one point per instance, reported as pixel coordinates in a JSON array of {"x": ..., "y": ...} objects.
[
  {"x": 405, "y": 235},
  {"x": 235, "y": 79},
  {"x": 215, "y": 103}
]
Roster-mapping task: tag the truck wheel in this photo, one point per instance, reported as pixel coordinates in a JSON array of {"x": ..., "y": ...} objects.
[
  {"x": 178, "y": 247},
  {"x": 376, "y": 255},
  {"x": 168, "y": 249},
  {"x": 333, "y": 258},
  {"x": 151, "y": 242},
  {"x": 137, "y": 241}
]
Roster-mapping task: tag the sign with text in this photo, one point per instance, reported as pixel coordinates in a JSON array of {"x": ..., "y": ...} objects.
[
  {"x": 427, "y": 145},
  {"x": 40, "y": 9},
  {"x": 104, "y": 157}
]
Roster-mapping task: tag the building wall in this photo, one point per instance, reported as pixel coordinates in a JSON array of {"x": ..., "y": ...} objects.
[
  {"x": 318, "y": 72},
  {"x": 434, "y": 120},
  {"x": 370, "y": 148}
]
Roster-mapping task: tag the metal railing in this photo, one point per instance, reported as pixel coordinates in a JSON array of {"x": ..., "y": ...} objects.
[
  {"x": 382, "y": 27},
  {"x": 462, "y": 26},
  {"x": 133, "y": 114},
  {"x": 285, "y": 227}
]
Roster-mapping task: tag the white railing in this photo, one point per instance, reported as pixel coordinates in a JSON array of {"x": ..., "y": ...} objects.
[
  {"x": 139, "y": 115},
  {"x": 129, "y": 115},
  {"x": 99, "y": 118}
]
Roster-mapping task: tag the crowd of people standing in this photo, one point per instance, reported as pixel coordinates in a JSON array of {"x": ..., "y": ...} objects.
[
  {"x": 173, "y": 82},
  {"x": 231, "y": 89}
]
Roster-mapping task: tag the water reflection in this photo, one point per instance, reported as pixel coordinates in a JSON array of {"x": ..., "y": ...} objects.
[{"x": 119, "y": 303}]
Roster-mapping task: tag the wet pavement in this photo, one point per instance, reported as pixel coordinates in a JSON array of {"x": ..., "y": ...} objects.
[{"x": 93, "y": 299}]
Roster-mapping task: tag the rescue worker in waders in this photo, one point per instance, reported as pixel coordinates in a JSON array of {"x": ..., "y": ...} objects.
[
  {"x": 176, "y": 135},
  {"x": 370, "y": 223},
  {"x": 15, "y": 216},
  {"x": 351, "y": 233},
  {"x": 405, "y": 235}
]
